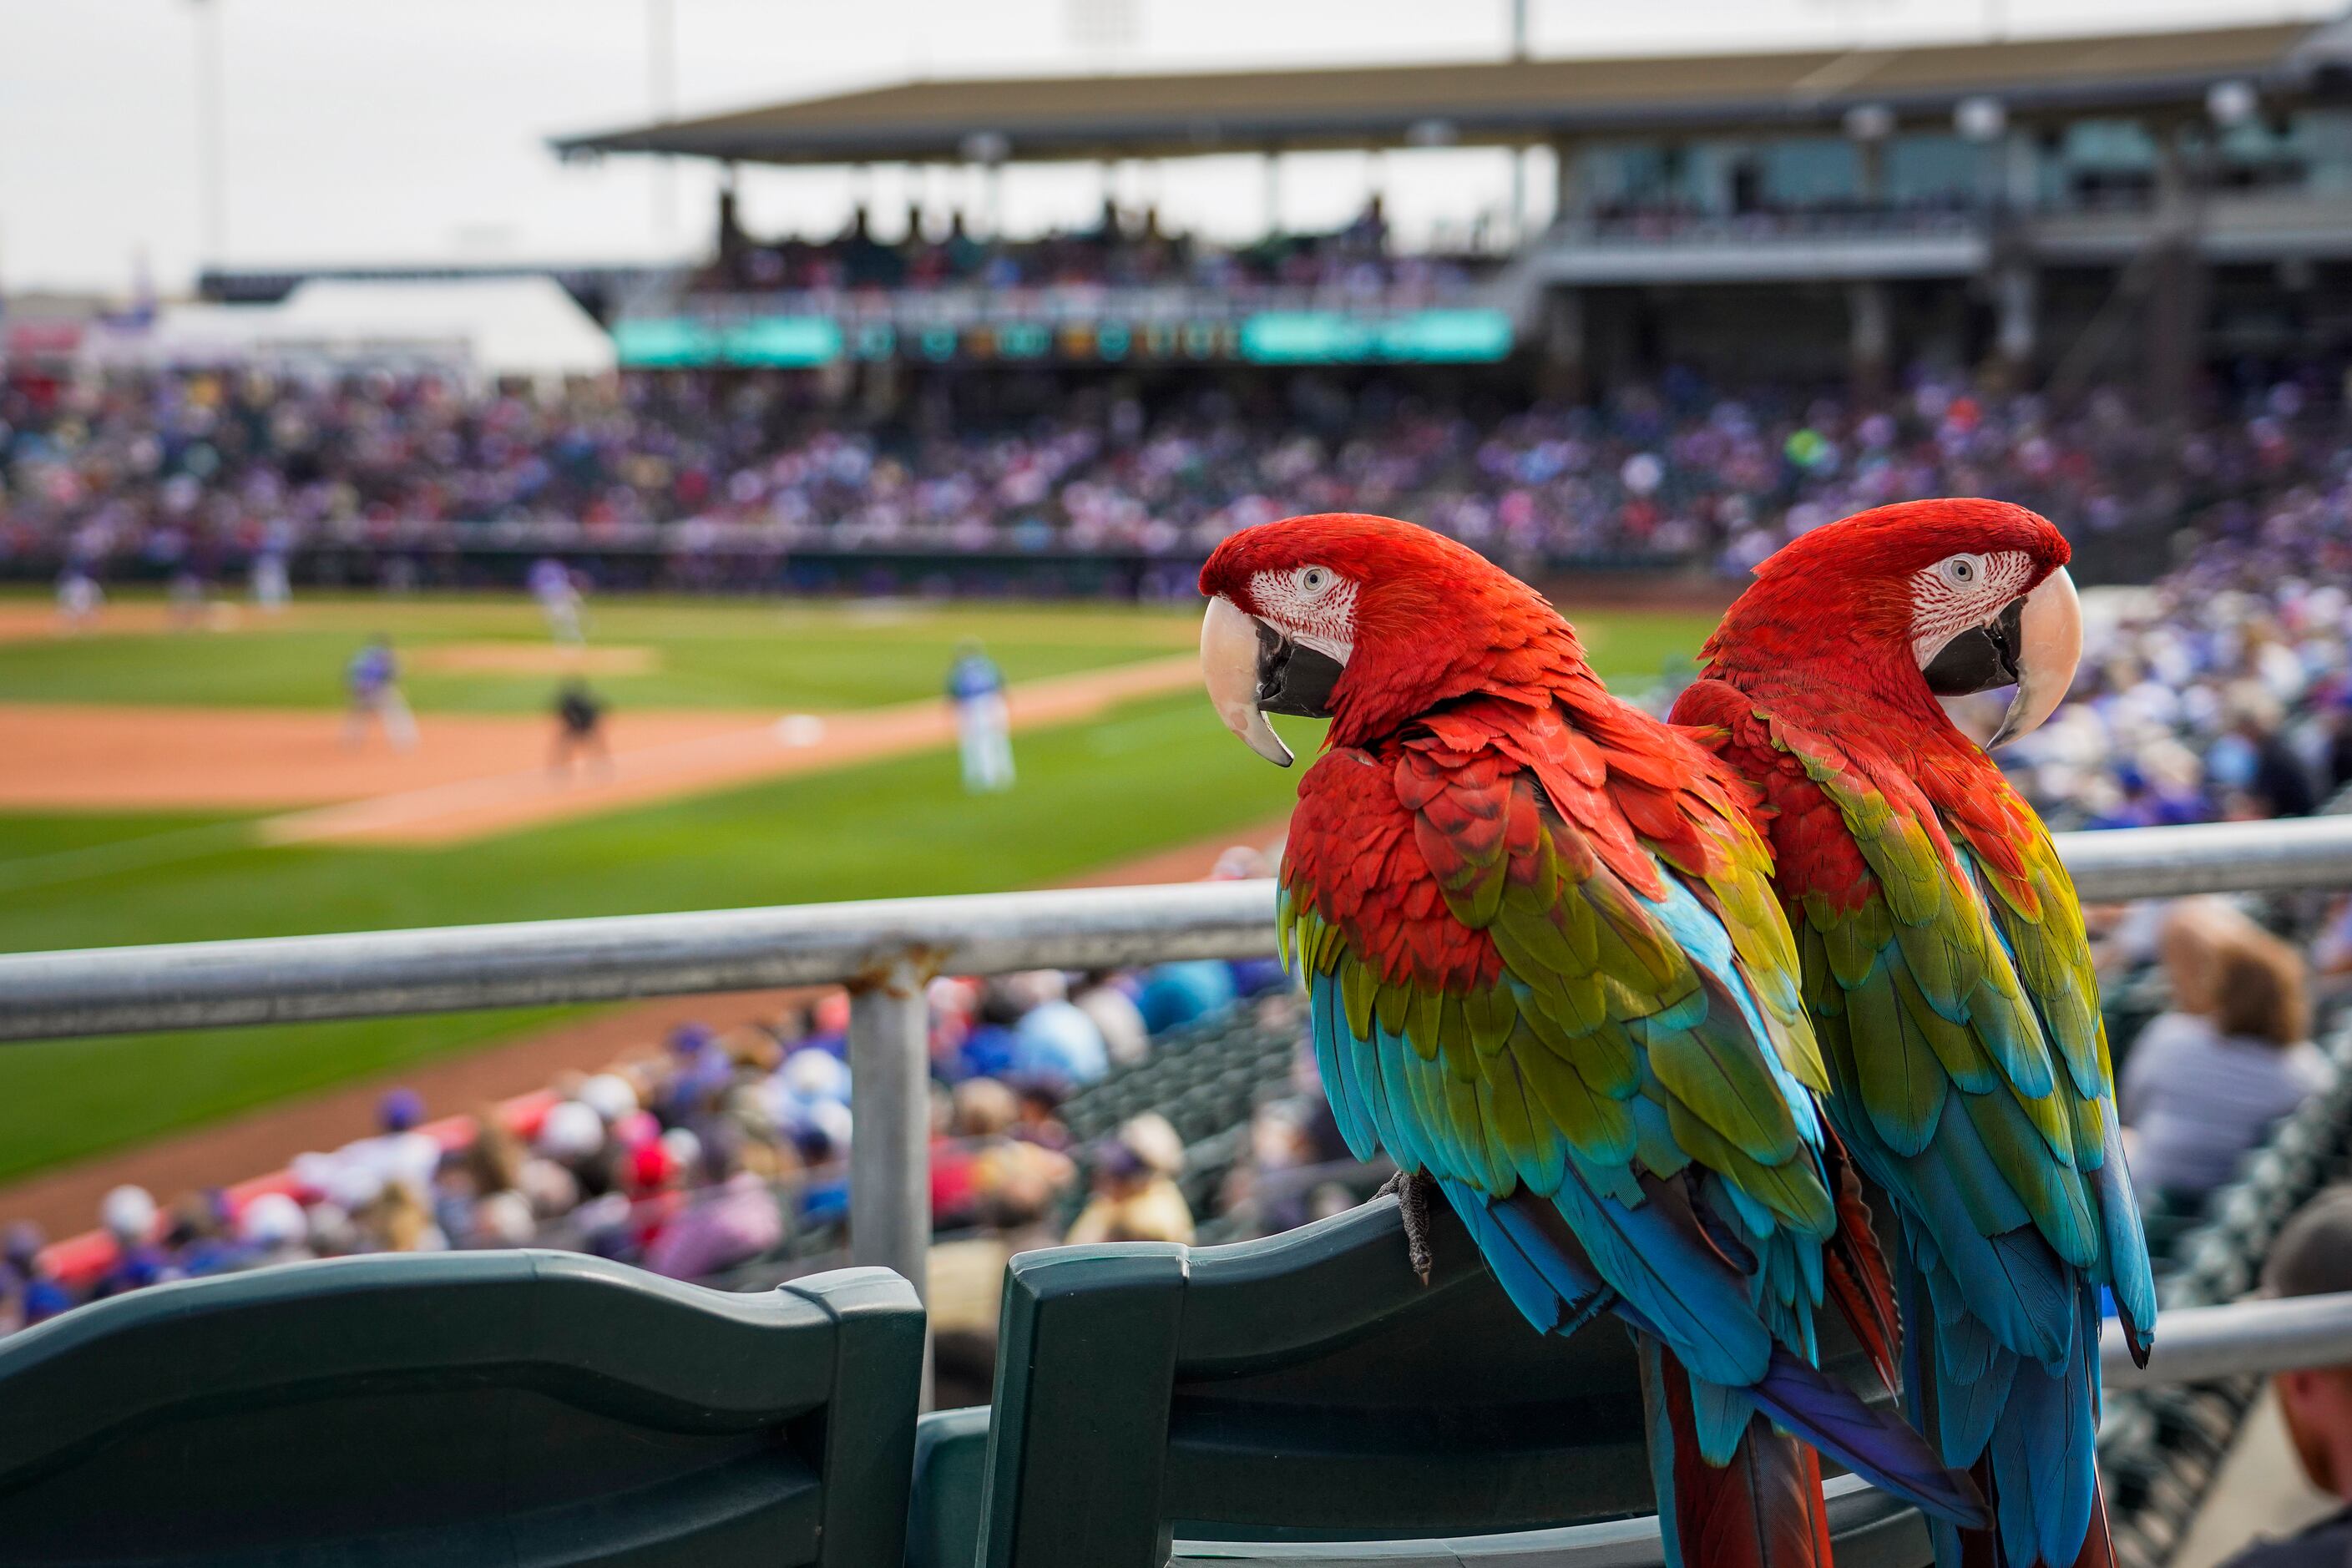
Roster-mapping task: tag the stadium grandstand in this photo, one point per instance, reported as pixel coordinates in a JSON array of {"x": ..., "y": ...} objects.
[
  {"x": 1796, "y": 214},
  {"x": 1764, "y": 282}
]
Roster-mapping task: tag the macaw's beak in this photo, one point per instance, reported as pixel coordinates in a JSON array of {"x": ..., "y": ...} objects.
[
  {"x": 2033, "y": 644},
  {"x": 1253, "y": 670}
]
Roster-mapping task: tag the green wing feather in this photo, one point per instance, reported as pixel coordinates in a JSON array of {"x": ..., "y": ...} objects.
[
  {"x": 1548, "y": 1012},
  {"x": 1933, "y": 999}
]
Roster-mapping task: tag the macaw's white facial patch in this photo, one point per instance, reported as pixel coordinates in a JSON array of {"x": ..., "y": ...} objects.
[
  {"x": 1313, "y": 606},
  {"x": 1960, "y": 592}
]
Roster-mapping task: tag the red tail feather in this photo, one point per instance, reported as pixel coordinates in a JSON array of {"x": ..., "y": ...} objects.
[
  {"x": 2099, "y": 1548},
  {"x": 1764, "y": 1509},
  {"x": 1982, "y": 1548},
  {"x": 1854, "y": 1273}
]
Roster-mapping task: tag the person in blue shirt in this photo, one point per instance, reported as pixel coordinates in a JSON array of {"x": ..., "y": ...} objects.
[
  {"x": 372, "y": 681},
  {"x": 983, "y": 722}
]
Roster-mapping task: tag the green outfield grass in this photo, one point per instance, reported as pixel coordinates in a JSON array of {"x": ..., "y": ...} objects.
[
  {"x": 767, "y": 655},
  {"x": 763, "y": 654},
  {"x": 1148, "y": 775},
  {"x": 1151, "y": 774}
]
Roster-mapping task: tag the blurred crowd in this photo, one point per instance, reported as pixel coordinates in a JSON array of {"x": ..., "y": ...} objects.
[
  {"x": 2223, "y": 691},
  {"x": 1119, "y": 251},
  {"x": 706, "y": 1153},
  {"x": 214, "y": 475}
]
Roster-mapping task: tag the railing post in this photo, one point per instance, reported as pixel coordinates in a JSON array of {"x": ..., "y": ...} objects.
[{"x": 890, "y": 1129}]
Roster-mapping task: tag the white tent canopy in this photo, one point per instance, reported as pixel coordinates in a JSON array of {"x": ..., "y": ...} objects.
[{"x": 487, "y": 326}]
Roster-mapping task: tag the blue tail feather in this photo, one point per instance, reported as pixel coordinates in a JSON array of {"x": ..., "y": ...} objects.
[
  {"x": 1659, "y": 1430},
  {"x": 1699, "y": 1305},
  {"x": 1537, "y": 1301},
  {"x": 2033, "y": 1422},
  {"x": 1556, "y": 1288},
  {"x": 1330, "y": 1033},
  {"x": 2128, "y": 1265},
  {"x": 1719, "y": 1417},
  {"x": 1879, "y": 1448}
]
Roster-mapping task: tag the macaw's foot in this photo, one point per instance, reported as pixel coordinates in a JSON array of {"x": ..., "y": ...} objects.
[{"x": 1412, "y": 1190}]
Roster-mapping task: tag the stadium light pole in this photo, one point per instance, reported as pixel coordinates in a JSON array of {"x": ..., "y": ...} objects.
[
  {"x": 661, "y": 95},
  {"x": 212, "y": 147},
  {"x": 1518, "y": 154}
]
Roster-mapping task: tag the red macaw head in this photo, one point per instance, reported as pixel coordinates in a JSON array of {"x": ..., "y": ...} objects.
[
  {"x": 1363, "y": 620},
  {"x": 1961, "y": 595}
]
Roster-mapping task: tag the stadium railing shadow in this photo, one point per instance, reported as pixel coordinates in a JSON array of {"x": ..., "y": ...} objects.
[
  {"x": 1296, "y": 1399},
  {"x": 489, "y": 1408}
]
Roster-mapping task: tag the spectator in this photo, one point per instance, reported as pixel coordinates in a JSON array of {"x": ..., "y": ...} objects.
[
  {"x": 2313, "y": 1256},
  {"x": 732, "y": 1218},
  {"x": 1116, "y": 1017},
  {"x": 128, "y": 1214},
  {"x": 1135, "y": 1193},
  {"x": 1057, "y": 1040},
  {"x": 2203, "y": 1084},
  {"x": 1037, "y": 1117},
  {"x": 693, "y": 1155},
  {"x": 1175, "y": 994},
  {"x": 275, "y": 1229}
]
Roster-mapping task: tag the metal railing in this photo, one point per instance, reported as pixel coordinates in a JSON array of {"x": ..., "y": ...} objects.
[
  {"x": 2200, "y": 1345},
  {"x": 884, "y": 952}
]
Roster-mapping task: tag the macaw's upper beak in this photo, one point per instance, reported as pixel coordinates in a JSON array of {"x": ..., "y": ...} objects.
[
  {"x": 2033, "y": 644},
  {"x": 1253, "y": 670}
]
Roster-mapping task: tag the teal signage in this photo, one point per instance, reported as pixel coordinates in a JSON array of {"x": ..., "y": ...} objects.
[
  {"x": 1267, "y": 337},
  {"x": 1419, "y": 337},
  {"x": 657, "y": 343}
]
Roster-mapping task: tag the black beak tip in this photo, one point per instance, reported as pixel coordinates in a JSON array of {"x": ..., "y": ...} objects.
[
  {"x": 1982, "y": 658},
  {"x": 1294, "y": 678}
]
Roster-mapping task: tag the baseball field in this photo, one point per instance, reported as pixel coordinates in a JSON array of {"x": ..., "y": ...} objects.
[{"x": 165, "y": 781}]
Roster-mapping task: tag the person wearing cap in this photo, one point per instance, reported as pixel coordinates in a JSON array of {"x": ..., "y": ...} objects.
[
  {"x": 130, "y": 1216},
  {"x": 1135, "y": 1193},
  {"x": 2313, "y": 1256},
  {"x": 983, "y": 722}
]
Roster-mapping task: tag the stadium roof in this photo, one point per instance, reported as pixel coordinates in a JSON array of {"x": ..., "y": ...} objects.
[{"x": 986, "y": 120}]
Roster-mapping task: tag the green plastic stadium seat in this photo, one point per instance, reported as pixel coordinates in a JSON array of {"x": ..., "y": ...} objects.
[
  {"x": 1298, "y": 1398},
  {"x": 950, "y": 1474},
  {"x": 465, "y": 1408}
]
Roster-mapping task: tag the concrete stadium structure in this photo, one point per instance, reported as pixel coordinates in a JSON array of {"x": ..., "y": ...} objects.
[{"x": 2134, "y": 204}]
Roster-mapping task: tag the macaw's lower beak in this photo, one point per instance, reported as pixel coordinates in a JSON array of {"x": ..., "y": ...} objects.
[
  {"x": 1253, "y": 670},
  {"x": 2033, "y": 644}
]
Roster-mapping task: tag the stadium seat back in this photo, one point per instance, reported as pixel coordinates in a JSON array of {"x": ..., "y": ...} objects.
[
  {"x": 462, "y": 1408},
  {"x": 1307, "y": 1388}
]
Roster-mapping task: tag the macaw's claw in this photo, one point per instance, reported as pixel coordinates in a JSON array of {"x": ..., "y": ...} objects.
[{"x": 1412, "y": 1190}]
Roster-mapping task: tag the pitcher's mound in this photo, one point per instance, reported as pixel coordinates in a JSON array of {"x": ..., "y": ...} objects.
[{"x": 534, "y": 659}]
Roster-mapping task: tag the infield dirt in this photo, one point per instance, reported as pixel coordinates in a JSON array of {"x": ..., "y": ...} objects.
[{"x": 471, "y": 775}]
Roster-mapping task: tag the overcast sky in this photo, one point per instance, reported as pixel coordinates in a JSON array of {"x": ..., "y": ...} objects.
[{"x": 364, "y": 131}]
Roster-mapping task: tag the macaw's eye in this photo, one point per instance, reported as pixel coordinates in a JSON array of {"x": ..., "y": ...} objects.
[
  {"x": 1963, "y": 571},
  {"x": 1315, "y": 580}
]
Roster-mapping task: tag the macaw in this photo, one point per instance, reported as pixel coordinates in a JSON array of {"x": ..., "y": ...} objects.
[
  {"x": 1948, "y": 976},
  {"x": 1546, "y": 972}
]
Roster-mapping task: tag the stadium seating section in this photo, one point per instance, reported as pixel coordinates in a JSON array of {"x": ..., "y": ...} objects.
[
  {"x": 1284, "y": 1399},
  {"x": 545, "y": 1408},
  {"x": 2162, "y": 1448},
  {"x": 487, "y": 1408},
  {"x": 1289, "y": 1399}
]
